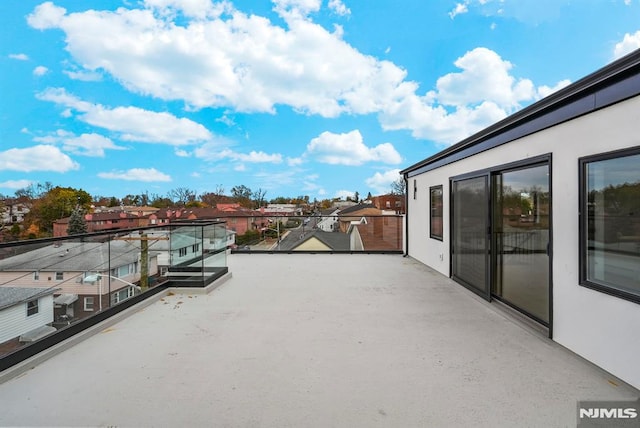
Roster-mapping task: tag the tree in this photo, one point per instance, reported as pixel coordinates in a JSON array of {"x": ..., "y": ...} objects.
[
  {"x": 214, "y": 198},
  {"x": 158, "y": 201},
  {"x": 57, "y": 203},
  {"x": 280, "y": 200},
  {"x": 258, "y": 197},
  {"x": 77, "y": 224},
  {"x": 242, "y": 195},
  {"x": 182, "y": 195},
  {"x": 398, "y": 187}
]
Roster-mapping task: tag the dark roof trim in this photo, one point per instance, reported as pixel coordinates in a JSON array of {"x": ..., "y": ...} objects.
[{"x": 609, "y": 85}]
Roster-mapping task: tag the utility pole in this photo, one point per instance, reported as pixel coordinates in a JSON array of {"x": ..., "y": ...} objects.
[
  {"x": 144, "y": 255},
  {"x": 144, "y": 261}
]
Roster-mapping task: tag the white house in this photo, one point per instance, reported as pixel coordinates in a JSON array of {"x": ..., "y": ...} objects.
[
  {"x": 541, "y": 212},
  {"x": 329, "y": 220},
  {"x": 66, "y": 266},
  {"x": 13, "y": 212},
  {"x": 25, "y": 313}
]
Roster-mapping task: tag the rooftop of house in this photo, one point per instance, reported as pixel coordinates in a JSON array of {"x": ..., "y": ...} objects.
[
  {"x": 72, "y": 257},
  {"x": 333, "y": 240},
  {"x": 312, "y": 340},
  {"x": 10, "y": 296},
  {"x": 360, "y": 208}
]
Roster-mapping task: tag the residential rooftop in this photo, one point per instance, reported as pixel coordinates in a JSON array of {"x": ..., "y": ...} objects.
[{"x": 312, "y": 340}]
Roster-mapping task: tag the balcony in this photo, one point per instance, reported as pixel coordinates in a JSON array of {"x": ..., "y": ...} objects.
[
  {"x": 310, "y": 340},
  {"x": 58, "y": 287}
]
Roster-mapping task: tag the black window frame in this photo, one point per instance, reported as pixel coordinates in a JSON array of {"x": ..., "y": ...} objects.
[
  {"x": 433, "y": 235},
  {"x": 583, "y": 224}
]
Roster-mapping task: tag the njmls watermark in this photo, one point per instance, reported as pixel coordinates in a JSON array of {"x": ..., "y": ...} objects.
[{"x": 609, "y": 414}]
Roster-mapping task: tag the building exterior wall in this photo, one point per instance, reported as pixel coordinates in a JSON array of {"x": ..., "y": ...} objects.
[
  {"x": 602, "y": 328},
  {"x": 15, "y": 321}
]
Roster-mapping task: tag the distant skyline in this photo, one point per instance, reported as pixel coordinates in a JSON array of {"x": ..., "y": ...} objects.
[{"x": 295, "y": 97}]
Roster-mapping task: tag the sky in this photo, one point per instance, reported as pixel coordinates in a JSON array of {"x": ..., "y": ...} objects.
[{"x": 323, "y": 98}]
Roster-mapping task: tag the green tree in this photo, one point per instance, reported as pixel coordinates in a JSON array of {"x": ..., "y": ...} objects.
[
  {"x": 77, "y": 224},
  {"x": 55, "y": 204},
  {"x": 242, "y": 195}
]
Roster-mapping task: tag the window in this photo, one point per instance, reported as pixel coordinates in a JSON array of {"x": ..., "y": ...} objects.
[
  {"x": 32, "y": 307},
  {"x": 610, "y": 223},
  {"x": 122, "y": 295},
  {"x": 36, "y": 275},
  {"x": 88, "y": 304},
  {"x": 59, "y": 276},
  {"x": 435, "y": 212},
  {"x": 195, "y": 248},
  {"x": 182, "y": 252}
]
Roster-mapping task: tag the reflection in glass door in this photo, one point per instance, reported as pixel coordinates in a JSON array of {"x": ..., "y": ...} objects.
[
  {"x": 521, "y": 208},
  {"x": 470, "y": 221}
]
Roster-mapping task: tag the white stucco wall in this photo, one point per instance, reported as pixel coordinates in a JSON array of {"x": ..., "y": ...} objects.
[{"x": 601, "y": 328}]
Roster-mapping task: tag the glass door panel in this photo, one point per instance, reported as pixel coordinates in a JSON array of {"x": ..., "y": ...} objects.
[
  {"x": 470, "y": 223},
  {"x": 521, "y": 208}
]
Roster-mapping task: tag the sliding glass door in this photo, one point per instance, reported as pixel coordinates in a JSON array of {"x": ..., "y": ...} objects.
[
  {"x": 521, "y": 208},
  {"x": 470, "y": 225},
  {"x": 500, "y": 235}
]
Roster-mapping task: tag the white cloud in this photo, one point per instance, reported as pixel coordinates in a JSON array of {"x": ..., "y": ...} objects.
[
  {"x": 349, "y": 149},
  {"x": 294, "y": 161},
  {"x": 296, "y": 8},
  {"x": 257, "y": 157},
  {"x": 274, "y": 181},
  {"x": 132, "y": 123},
  {"x": 544, "y": 91},
  {"x": 215, "y": 151},
  {"x": 19, "y": 57},
  {"x": 528, "y": 11},
  {"x": 84, "y": 76},
  {"x": 629, "y": 43},
  {"x": 40, "y": 70},
  {"x": 182, "y": 153},
  {"x": 47, "y": 15},
  {"x": 381, "y": 182},
  {"x": 212, "y": 55},
  {"x": 463, "y": 103},
  {"x": 338, "y": 7},
  {"x": 137, "y": 174},
  {"x": 344, "y": 194},
  {"x": 309, "y": 184},
  {"x": 93, "y": 145},
  {"x": 37, "y": 158},
  {"x": 199, "y": 9},
  {"x": 234, "y": 60},
  {"x": 459, "y": 9},
  {"x": 15, "y": 184},
  {"x": 484, "y": 78}
]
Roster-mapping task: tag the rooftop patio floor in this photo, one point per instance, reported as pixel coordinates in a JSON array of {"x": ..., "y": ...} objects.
[{"x": 313, "y": 341}]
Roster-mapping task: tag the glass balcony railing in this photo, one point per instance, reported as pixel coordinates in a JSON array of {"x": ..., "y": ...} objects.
[
  {"x": 55, "y": 285},
  {"x": 313, "y": 234}
]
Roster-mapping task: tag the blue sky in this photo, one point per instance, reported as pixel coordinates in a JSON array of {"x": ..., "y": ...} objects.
[{"x": 295, "y": 97}]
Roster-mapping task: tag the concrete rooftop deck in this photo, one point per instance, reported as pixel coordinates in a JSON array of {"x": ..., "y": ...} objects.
[{"x": 313, "y": 341}]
